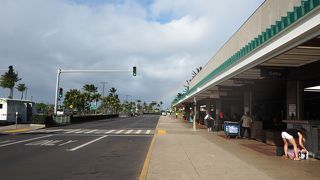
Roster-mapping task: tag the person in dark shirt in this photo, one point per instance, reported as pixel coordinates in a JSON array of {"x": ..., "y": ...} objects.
[{"x": 290, "y": 135}]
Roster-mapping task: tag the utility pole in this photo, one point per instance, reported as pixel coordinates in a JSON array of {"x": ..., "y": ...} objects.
[
  {"x": 26, "y": 93},
  {"x": 103, "y": 85}
]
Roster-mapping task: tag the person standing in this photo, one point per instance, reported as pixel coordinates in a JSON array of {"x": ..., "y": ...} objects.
[
  {"x": 290, "y": 135},
  {"x": 209, "y": 120},
  {"x": 245, "y": 123}
]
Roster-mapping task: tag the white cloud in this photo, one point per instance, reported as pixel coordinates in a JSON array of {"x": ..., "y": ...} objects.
[{"x": 39, "y": 36}]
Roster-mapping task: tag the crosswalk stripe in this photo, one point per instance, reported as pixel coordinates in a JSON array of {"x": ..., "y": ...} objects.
[
  {"x": 95, "y": 131},
  {"x": 109, "y": 131},
  {"x": 91, "y": 131},
  {"x": 81, "y": 131},
  {"x": 72, "y": 131},
  {"x": 54, "y": 130},
  {"x": 120, "y": 131}
]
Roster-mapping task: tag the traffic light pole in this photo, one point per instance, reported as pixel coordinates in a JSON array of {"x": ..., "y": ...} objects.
[
  {"x": 57, "y": 88},
  {"x": 59, "y": 71}
]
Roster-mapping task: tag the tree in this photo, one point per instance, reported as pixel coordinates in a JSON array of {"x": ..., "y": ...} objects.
[
  {"x": 89, "y": 95},
  {"x": 21, "y": 88},
  {"x": 113, "y": 91},
  {"x": 9, "y": 79},
  {"x": 111, "y": 103},
  {"x": 74, "y": 100},
  {"x": 42, "y": 108},
  {"x": 90, "y": 88}
]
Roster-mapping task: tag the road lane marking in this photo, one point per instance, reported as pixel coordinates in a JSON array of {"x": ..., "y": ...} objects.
[
  {"x": 27, "y": 140},
  {"x": 54, "y": 130},
  {"x": 82, "y": 131},
  {"x": 120, "y": 131},
  {"x": 6, "y": 141},
  {"x": 148, "y": 131},
  {"x": 138, "y": 132},
  {"x": 91, "y": 131},
  {"x": 68, "y": 142},
  {"x": 128, "y": 132},
  {"x": 44, "y": 143},
  {"x": 85, "y": 144},
  {"x": 130, "y": 135},
  {"x": 72, "y": 131},
  {"x": 109, "y": 131}
]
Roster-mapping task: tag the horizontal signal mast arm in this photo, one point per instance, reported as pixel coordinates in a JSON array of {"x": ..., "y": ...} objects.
[{"x": 92, "y": 71}]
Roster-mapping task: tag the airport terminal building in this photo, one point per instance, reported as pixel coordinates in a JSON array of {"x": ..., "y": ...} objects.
[{"x": 270, "y": 68}]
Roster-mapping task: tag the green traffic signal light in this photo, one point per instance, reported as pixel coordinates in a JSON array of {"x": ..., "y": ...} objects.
[
  {"x": 134, "y": 72},
  {"x": 60, "y": 92}
]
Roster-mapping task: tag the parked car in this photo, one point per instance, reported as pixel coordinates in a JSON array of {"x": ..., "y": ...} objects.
[{"x": 163, "y": 113}]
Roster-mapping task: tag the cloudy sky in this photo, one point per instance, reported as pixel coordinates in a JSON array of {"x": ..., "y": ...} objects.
[{"x": 165, "y": 39}]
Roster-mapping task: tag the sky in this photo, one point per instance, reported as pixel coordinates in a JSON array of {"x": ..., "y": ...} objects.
[{"x": 165, "y": 39}]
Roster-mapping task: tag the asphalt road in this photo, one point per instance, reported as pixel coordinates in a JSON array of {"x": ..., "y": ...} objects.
[{"x": 106, "y": 149}]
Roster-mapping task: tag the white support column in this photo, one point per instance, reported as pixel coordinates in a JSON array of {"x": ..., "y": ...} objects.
[
  {"x": 194, "y": 114},
  {"x": 56, "y": 93}
]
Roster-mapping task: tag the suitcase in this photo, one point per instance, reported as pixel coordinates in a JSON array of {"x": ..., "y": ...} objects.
[{"x": 231, "y": 129}]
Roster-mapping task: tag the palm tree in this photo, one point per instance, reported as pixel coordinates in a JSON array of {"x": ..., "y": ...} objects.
[
  {"x": 9, "y": 79},
  {"x": 194, "y": 73},
  {"x": 21, "y": 88},
  {"x": 90, "y": 88},
  {"x": 113, "y": 91}
]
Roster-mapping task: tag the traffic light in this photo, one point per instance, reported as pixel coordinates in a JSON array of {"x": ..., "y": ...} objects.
[
  {"x": 10, "y": 70},
  {"x": 60, "y": 92},
  {"x": 134, "y": 72}
]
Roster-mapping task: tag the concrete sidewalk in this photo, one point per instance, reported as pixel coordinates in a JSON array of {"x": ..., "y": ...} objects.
[
  {"x": 181, "y": 153},
  {"x": 13, "y": 129}
]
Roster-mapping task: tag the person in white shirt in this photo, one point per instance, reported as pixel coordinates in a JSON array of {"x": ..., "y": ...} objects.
[
  {"x": 209, "y": 120},
  {"x": 245, "y": 123}
]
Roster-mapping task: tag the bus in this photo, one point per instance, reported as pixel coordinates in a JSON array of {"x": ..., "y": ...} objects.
[{"x": 9, "y": 108}]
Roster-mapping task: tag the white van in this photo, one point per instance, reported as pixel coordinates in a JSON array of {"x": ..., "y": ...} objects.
[{"x": 9, "y": 107}]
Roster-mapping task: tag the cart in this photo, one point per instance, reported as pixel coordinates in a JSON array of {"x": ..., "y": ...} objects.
[{"x": 232, "y": 129}]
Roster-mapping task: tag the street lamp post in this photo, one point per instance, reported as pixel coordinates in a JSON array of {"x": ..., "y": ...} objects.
[{"x": 103, "y": 85}]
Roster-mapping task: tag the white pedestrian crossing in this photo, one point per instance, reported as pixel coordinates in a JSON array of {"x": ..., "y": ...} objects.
[
  {"x": 108, "y": 132},
  {"x": 120, "y": 131},
  {"x": 88, "y": 132},
  {"x": 97, "y": 131}
]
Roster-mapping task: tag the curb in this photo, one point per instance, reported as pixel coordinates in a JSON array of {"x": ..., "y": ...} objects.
[
  {"x": 145, "y": 168},
  {"x": 16, "y": 130}
]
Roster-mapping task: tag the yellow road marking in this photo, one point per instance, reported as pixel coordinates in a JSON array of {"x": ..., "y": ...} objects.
[
  {"x": 17, "y": 130},
  {"x": 144, "y": 172},
  {"x": 162, "y": 131}
]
